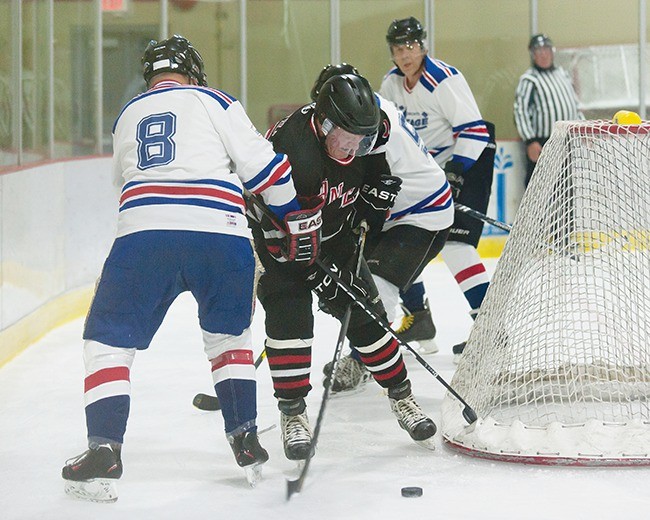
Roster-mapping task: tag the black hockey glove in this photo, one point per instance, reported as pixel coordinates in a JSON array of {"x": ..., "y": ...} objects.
[
  {"x": 455, "y": 177},
  {"x": 334, "y": 298},
  {"x": 375, "y": 201},
  {"x": 301, "y": 233}
]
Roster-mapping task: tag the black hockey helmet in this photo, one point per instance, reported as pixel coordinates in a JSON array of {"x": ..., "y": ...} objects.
[
  {"x": 405, "y": 31},
  {"x": 348, "y": 102},
  {"x": 539, "y": 40},
  {"x": 174, "y": 54},
  {"x": 329, "y": 71}
]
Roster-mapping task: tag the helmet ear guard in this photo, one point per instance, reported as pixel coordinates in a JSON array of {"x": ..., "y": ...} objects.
[{"x": 177, "y": 55}]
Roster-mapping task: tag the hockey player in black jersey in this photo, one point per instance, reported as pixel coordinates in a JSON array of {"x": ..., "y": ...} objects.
[
  {"x": 414, "y": 232},
  {"x": 327, "y": 143}
]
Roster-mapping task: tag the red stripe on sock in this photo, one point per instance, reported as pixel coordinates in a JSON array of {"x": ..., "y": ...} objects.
[
  {"x": 288, "y": 360},
  {"x": 106, "y": 375},
  {"x": 288, "y": 385},
  {"x": 232, "y": 357},
  {"x": 469, "y": 272},
  {"x": 392, "y": 373},
  {"x": 382, "y": 355}
]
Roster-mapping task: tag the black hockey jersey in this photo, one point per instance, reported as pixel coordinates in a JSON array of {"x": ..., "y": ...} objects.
[{"x": 315, "y": 173}]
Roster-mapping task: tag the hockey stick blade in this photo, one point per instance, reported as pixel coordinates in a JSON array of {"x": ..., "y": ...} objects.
[
  {"x": 207, "y": 403},
  {"x": 469, "y": 415},
  {"x": 210, "y": 403},
  {"x": 293, "y": 486}
]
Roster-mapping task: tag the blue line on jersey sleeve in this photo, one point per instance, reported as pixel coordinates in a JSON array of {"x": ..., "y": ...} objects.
[{"x": 265, "y": 173}]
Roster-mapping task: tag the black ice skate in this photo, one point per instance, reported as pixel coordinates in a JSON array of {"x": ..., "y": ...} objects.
[
  {"x": 410, "y": 417},
  {"x": 93, "y": 474},
  {"x": 418, "y": 326},
  {"x": 296, "y": 432},
  {"x": 350, "y": 375},
  {"x": 249, "y": 455}
]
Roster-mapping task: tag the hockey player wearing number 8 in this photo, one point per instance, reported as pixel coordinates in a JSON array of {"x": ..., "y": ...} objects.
[
  {"x": 437, "y": 100},
  {"x": 183, "y": 155},
  {"x": 327, "y": 144}
]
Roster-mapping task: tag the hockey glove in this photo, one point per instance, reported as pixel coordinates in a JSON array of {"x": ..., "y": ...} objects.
[
  {"x": 455, "y": 177},
  {"x": 333, "y": 297},
  {"x": 375, "y": 201},
  {"x": 302, "y": 230},
  {"x": 297, "y": 237}
]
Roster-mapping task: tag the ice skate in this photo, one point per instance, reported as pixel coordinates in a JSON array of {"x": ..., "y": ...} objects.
[
  {"x": 296, "y": 432},
  {"x": 249, "y": 455},
  {"x": 418, "y": 327},
  {"x": 409, "y": 415},
  {"x": 93, "y": 474},
  {"x": 350, "y": 375}
]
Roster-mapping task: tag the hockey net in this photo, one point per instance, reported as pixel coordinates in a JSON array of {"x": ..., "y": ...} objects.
[{"x": 557, "y": 365}]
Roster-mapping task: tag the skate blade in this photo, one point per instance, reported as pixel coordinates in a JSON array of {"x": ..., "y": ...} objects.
[
  {"x": 293, "y": 472},
  {"x": 344, "y": 393},
  {"x": 253, "y": 474},
  {"x": 429, "y": 443},
  {"x": 352, "y": 391},
  {"x": 102, "y": 490}
]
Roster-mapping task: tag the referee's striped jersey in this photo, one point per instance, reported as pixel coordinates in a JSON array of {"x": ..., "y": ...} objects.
[{"x": 542, "y": 98}]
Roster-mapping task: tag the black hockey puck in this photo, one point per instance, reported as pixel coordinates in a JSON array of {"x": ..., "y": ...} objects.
[{"x": 412, "y": 491}]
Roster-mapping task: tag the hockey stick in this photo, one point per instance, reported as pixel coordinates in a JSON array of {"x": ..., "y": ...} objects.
[
  {"x": 210, "y": 403},
  {"x": 468, "y": 413},
  {"x": 501, "y": 225},
  {"x": 481, "y": 216},
  {"x": 294, "y": 486}
]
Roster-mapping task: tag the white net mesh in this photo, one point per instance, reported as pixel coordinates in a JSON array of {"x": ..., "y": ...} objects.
[{"x": 558, "y": 361}]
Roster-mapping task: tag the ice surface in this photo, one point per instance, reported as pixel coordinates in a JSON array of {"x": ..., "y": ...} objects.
[{"x": 178, "y": 465}]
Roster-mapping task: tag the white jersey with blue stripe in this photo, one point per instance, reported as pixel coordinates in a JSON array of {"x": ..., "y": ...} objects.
[
  {"x": 183, "y": 154},
  {"x": 424, "y": 199},
  {"x": 442, "y": 108}
]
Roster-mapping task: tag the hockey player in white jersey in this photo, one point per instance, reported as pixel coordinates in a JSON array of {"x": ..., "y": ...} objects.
[
  {"x": 436, "y": 99},
  {"x": 415, "y": 228},
  {"x": 183, "y": 155}
]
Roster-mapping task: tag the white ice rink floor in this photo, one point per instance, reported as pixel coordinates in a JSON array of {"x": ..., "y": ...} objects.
[{"x": 178, "y": 465}]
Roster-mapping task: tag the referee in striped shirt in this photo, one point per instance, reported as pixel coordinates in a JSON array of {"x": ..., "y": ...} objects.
[{"x": 544, "y": 95}]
